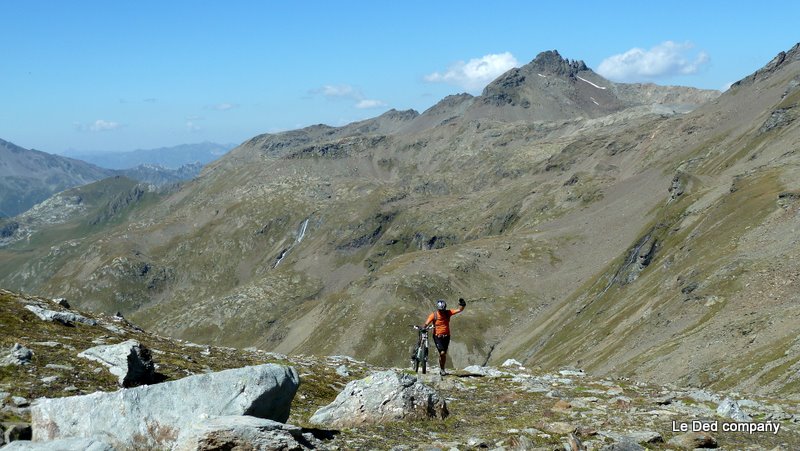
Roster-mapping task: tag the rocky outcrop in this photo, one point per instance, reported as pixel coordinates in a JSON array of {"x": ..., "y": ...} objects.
[
  {"x": 240, "y": 432},
  {"x": 17, "y": 355},
  {"x": 382, "y": 397},
  {"x": 154, "y": 416},
  {"x": 66, "y": 318},
  {"x": 131, "y": 362}
]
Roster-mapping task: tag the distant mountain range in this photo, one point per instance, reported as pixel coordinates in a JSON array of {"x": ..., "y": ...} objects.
[
  {"x": 166, "y": 157},
  {"x": 28, "y": 177}
]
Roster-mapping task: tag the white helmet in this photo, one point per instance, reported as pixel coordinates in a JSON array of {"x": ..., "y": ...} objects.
[{"x": 441, "y": 305}]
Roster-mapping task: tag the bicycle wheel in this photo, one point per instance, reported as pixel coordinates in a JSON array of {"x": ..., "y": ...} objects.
[
  {"x": 425, "y": 362},
  {"x": 415, "y": 364}
]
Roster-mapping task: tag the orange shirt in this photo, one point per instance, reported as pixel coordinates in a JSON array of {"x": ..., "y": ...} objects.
[{"x": 442, "y": 321}]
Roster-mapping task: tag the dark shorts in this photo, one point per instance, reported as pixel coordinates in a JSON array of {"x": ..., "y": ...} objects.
[{"x": 442, "y": 342}]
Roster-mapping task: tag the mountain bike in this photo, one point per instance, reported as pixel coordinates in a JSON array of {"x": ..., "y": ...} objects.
[{"x": 420, "y": 355}]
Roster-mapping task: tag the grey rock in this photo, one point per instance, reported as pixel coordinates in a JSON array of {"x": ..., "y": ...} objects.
[
  {"x": 341, "y": 370},
  {"x": 61, "y": 302},
  {"x": 382, "y": 397},
  {"x": 54, "y": 366},
  {"x": 67, "y": 444},
  {"x": 17, "y": 355},
  {"x": 700, "y": 395},
  {"x": 19, "y": 401},
  {"x": 66, "y": 318},
  {"x": 576, "y": 373},
  {"x": 625, "y": 445},
  {"x": 239, "y": 432},
  {"x": 49, "y": 379},
  {"x": 153, "y": 416},
  {"x": 511, "y": 362},
  {"x": 693, "y": 440},
  {"x": 731, "y": 409},
  {"x": 634, "y": 436},
  {"x": 131, "y": 362},
  {"x": 484, "y": 371}
]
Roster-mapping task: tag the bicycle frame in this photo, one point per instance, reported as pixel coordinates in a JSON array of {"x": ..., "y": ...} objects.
[{"x": 420, "y": 356}]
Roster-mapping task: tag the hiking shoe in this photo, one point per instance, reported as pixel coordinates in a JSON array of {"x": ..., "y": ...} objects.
[{"x": 442, "y": 372}]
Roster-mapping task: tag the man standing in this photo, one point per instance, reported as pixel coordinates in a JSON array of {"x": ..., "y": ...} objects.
[{"x": 441, "y": 328}]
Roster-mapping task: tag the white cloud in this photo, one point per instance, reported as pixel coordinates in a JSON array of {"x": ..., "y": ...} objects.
[
  {"x": 340, "y": 91},
  {"x": 99, "y": 125},
  {"x": 370, "y": 103},
  {"x": 224, "y": 106},
  {"x": 350, "y": 93},
  {"x": 664, "y": 60},
  {"x": 192, "y": 127},
  {"x": 476, "y": 73}
]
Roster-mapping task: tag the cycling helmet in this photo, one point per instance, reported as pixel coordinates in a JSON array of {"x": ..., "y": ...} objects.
[{"x": 441, "y": 305}]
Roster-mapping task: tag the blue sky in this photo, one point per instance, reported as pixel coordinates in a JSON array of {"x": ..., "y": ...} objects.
[{"x": 121, "y": 75}]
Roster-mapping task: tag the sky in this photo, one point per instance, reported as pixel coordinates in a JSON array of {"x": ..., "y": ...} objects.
[{"x": 123, "y": 75}]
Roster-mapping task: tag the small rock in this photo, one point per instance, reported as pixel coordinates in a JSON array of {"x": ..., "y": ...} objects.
[
  {"x": 49, "y": 379},
  {"x": 341, "y": 370},
  {"x": 19, "y": 401},
  {"x": 569, "y": 372},
  {"x": 615, "y": 391},
  {"x": 560, "y": 427},
  {"x": 17, "y": 355},
  {"x": 561, "y": 406},
  {"x": 730, "y": 409},
  {"x": 664, "y": 400},
  {"x": 474, "y": 442},
  {"x": 693, "y": 440},
  {"x": 131, "y": 362},
  {"x": 62, "y": 302},
  {"x": 645, "y": 437},
  {"x": 625, "y": 445},
  {"x": 574, "y": 443},
  {"x": 511, "y": 362},
  {"x": 54, "y": 366},
  {"x": 484, "y": 371}
]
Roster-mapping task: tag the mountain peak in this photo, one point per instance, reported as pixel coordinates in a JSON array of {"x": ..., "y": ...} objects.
[
  {"x": 780, "y": 60},
  {"x": 551, "y": 62}
]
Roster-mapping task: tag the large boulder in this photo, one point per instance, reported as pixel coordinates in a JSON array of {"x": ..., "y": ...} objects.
[
  {"x": 131, "y": 362},
  {"x": 379, "y": 398},
  {"x": 240, "y": 432},
  {"x": 66, "y": 318},
  {"x": 153, "y": 416}
]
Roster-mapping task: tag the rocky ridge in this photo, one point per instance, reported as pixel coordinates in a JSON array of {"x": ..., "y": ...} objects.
[{"x": 502, "y": 408}]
